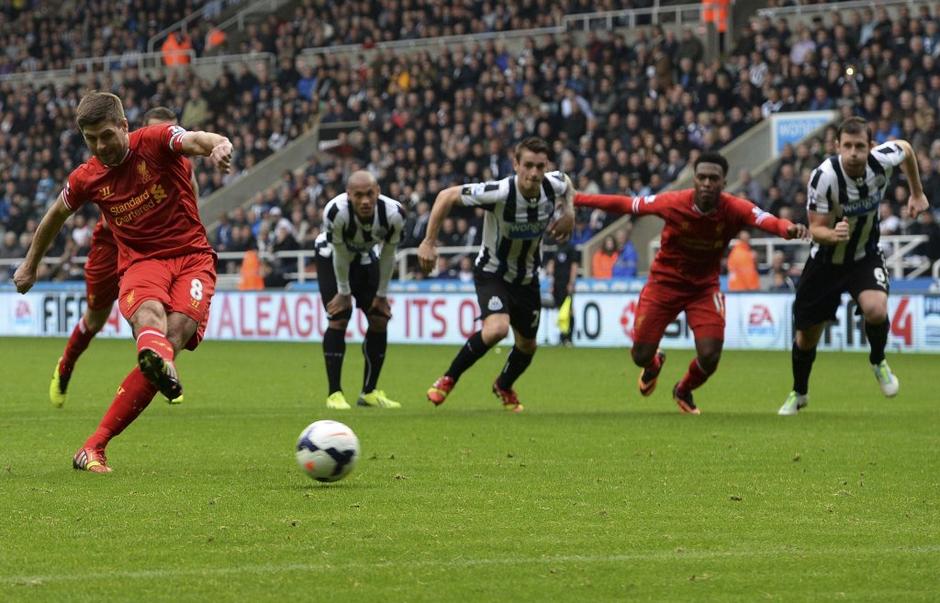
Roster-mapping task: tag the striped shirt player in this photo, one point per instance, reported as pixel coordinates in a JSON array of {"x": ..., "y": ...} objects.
[
  {"x": 843, "y": 200},
  {"x": 356, "y": 224},
  {"x": 349, "y": 242},
  {"x": 513, "y": 226},
  {"x": 520, "y": 209},
  {"x": 833, "y": 193}
]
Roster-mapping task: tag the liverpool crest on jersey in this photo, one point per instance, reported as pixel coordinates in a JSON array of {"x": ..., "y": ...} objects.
[{"x": 143, "y": 172}]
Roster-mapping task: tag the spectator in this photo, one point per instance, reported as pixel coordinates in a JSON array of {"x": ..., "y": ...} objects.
[
  {"x": 742, "y": 265},
  {"x": 625, "y": 266},
  {"x": 602, "y": 264},
  {"x": 926, "y": 224},
  {"x": 176, "y": 49},
  {"x": 889, "y": 224}
]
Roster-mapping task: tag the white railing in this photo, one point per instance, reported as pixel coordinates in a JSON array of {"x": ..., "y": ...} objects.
[
  {"x": 680, "y": 14},
  {"x": 897, "y": 250},
  {"x": 799, "y": 10},
  {"x": 302, "y": 256},
  {"x": 227, "y": 59},
  {"x": 140, "y": 60}
]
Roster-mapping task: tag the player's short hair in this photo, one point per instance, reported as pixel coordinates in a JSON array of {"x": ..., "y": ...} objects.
[
  {"x": 163, "y": 114},
  {"x": 853, "y": 125},
  {"x": 534, "y": 144},
  {"x": 96, "y": 107},
  {"x": 713, "y": 157}
]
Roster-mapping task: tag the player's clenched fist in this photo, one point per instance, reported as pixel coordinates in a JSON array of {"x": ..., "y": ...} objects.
[
  {"x": 841, "y": 231},
  {"x": 24, "y": 278},
  {"x": 798, "y": 231},
  {"x": 221, "y": 155},
  {"x": 427, "y": 256}
]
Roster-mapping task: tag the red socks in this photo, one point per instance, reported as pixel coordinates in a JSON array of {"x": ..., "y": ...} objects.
[
  {"x": 694, "y": 378},
  {"x": 132, "y": 398},
  {"x": 654, "y": 366},
  {"x": 78, "y": 342},
  {"x": 152, "y": 339}
]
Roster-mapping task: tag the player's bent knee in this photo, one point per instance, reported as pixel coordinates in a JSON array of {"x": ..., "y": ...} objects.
[
  {"x": 709, "y": 361},
  {"x": 526, "y": 346},
  {"x": 339, "y": 325},
  {"x": 378, "y": 323},
  {"x": 149, "y": 314},
  {"x": 875, "y": 316},
  {"x": 96, "y": 319}
]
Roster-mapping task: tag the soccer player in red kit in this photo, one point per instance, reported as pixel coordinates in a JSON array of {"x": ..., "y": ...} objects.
[
  {"x": 102, "y": 283},
  {"x": 141, "y": 183},
  {"x": 700, "y": 222}
]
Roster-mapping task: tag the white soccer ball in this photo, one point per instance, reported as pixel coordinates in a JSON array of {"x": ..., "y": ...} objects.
[{"x": 327, "y": 450}]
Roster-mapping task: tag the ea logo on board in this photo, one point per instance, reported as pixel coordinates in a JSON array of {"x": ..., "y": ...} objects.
[
  {"x": 22, "y": 313},
  {"x": 762, "y": 328},
  {"x": 760, "y": 321}
]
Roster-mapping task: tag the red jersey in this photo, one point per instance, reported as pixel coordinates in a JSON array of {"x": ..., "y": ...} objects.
[
  {"x": 692, "y": 242},
  {"x": 147, "y": 200}
]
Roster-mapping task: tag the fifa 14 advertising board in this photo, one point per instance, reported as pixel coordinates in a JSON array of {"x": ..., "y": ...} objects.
[{"x": 754, "y": 320}]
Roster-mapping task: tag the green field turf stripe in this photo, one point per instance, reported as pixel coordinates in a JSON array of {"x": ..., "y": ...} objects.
[{"x": 839, "y": 552}]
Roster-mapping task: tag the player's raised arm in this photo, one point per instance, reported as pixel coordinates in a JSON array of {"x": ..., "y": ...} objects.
[
  {"x": 917, "y": 202},
  {"x": 49, "y": 227},
  {"x": 427, "y": 250},
  {"x": 216, "y": 147}
]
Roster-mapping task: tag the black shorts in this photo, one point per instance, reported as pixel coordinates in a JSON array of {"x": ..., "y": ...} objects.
[
  {"x": 820, "y": 290},
  {"x": 523, "y": 303},
  {"x": 363, "y": 282}
]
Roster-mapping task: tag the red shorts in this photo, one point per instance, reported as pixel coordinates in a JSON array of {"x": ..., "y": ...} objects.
[
  {"x": 659, "y": 306},
  {"x": 182, "y": 284},
  {"x": 102, "y": 282}
]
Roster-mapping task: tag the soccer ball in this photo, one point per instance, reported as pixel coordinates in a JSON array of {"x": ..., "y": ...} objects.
[{"x": 327, "y": 451}]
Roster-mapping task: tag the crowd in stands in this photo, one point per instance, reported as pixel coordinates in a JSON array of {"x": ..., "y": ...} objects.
[
  {"x": 625, "y": 115},
  {"x": 38, "y": 35}
]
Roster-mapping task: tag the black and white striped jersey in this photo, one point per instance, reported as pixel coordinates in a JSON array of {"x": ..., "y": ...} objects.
[
  {"x": 832, "y": 191},
  {"x": 514, "y": 225},
  {"x": 348, "y": 239}
]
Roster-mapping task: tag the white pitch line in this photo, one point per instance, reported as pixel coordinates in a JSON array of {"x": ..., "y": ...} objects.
[{"x": 327, "y": 567}]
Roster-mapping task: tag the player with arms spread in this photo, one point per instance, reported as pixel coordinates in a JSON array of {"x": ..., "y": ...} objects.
[
  {"x": 843, "y": 199},
  {"x": 102, "y": 283},
  {"x": 354, "y": 223},
  {"x": 141, "y": 183},
  {"x": 700, "y": 222}
]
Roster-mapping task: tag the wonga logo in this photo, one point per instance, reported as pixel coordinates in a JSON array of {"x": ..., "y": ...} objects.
[{"x": 760, "y": 321}]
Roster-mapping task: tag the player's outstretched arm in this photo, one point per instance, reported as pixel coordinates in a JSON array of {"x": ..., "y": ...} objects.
[
  {"x": 216, "y": 147},
  {"x": 917, "y": 202},
  {"x": 49, "y": 227},
  {"x": 781, "y": 227},
  {"x": 427, "y": 250},
  {"x": 619, "y": 204}
]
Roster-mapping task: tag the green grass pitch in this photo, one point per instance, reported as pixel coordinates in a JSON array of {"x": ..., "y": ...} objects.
[{"x": 591, "y": 494}]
